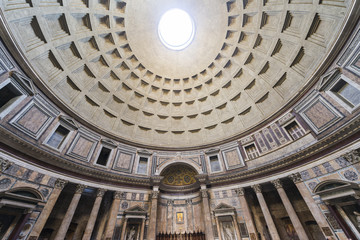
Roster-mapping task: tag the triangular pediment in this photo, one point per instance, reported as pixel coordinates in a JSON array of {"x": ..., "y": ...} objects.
[
  {"x": 328, "y": 78},
  {"x": 69, "y": 121},
  {"x": 223, "y": 206},
  {"x": 25, "y": 82},
  {"x": 136, "y": 208}
]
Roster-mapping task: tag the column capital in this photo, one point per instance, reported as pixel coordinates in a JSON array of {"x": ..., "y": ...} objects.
[
  {"x": 204, "y": 193},
  {"x": 155, "y": 194},
  {"x": 4, "y": 164},
  {"x": 117, "y": 195},
  {"x": 188, "y": 201},
  {"x": 240, "y": 191},
  {"x": 257, "y": 188},
  {"x": 277, "y": 183},
  {"x": 60, "y": 183},
  {"x": 80, "y": 188},
  {"x": 170, "y": 202},
  {"x": 295, "y": 177},
  {"x": 352, "y": 156},
  {"x": 100, "y": 192}
]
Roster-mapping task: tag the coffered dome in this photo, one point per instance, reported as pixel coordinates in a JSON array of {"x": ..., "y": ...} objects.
[{"x": 104, "y": 61}]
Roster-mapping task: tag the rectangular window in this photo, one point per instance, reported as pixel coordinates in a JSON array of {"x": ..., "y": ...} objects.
[
  {"x": 103, "y": 156},
  {"x": 214, "y": 163},
  {"x": 251, "y": 151},
  {"x": 58, "y": 137},
  {"x": 294, "y": 130},
  {"x": 9, "y": 94},
  {"x": 142, "y": 166},
  {"x": 347, "y": 93}
]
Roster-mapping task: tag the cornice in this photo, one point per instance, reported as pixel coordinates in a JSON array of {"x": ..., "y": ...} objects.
[{"x": 296, "y": 159}]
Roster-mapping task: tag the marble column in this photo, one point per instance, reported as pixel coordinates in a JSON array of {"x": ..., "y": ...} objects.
[
  {"x": 247, "y": 213},
  {"x": 109, "y": 230},
  {"x": 123, "y": 231},
  {"x": 267, "y": 215},
  {"x": 313, "y": 207},
  {"x": 60, "y": 235},
  {"x": 209, "y": 235},
  {"x": 218, "y": 227},
  {"x": 170, "y": 204},
  {"x": 290, "y": 210},
  {"x": 142, "y": 229},
  {"x": 45, "y": 213},
  {"x": 153, "y": 215},
  {"x": 93, "y": 215}
]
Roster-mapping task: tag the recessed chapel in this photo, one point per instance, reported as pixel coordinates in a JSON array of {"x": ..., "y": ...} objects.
[{"x": 179, "y": 119}]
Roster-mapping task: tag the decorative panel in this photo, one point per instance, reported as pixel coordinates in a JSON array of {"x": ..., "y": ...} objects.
[
  {"x": 83, "y": 145},
  {"x": 35, "y": 117},
  {"x": 232, "y": 158},
  {"x": 319, "y": 114},
  {"x": 124, "y": 161}
]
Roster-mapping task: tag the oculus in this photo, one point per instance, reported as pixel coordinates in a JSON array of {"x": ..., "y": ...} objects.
[{"x": 176, "y": 29}]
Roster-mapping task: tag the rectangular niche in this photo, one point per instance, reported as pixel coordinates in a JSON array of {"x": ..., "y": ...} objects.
[
  {"x": 34, "y": 118},
  {"x": 83, "y": 145},
  {"x": 123, "y": 161}
]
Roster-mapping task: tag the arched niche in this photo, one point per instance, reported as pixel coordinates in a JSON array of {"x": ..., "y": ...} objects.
[
  {"x": 179, "y": 177},
  {"x": 175, "y": 161}
]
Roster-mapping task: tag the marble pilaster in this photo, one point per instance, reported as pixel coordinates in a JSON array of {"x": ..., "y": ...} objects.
[
  {"x": 45, "y": 213},
  {"x": 109, "y": 230},
  {"x": 247, "y": 213}
]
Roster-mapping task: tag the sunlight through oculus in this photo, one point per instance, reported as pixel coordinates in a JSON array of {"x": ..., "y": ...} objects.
[{"x": 176, "y": 29}]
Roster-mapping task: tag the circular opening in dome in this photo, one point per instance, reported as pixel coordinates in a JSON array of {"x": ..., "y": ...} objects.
[{"x": 176, "y": 29}]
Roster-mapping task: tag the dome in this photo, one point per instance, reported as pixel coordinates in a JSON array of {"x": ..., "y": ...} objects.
[
  {"x": 179, "y": 119},
  {"x": 107, "y": 66}
]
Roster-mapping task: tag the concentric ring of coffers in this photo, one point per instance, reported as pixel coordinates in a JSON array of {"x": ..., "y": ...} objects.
[{"x": 106, "y": 63}]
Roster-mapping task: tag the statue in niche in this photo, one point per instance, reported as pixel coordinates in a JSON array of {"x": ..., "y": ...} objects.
[
  {"x": 132, "y": 234},
  {"x": 228, "y": 231}
]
